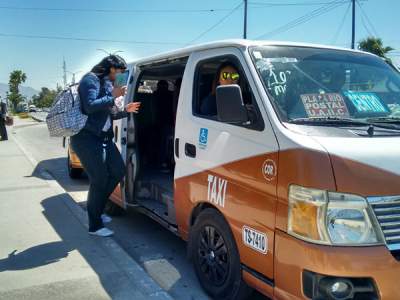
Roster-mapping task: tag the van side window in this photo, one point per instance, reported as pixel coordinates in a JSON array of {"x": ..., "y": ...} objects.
[{"x": 214, "y": 72}]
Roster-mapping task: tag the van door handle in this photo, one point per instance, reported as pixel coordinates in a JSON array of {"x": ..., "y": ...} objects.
[
  {"x": 190, "y": 150},
  {"x": 177, "y": 147}
]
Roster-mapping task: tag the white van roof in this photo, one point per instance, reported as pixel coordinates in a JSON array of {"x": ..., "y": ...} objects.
[{"x": 239, "y": 43}]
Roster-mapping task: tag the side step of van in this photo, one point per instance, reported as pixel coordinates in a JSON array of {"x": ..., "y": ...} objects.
[{"x": 155, "y": 198}]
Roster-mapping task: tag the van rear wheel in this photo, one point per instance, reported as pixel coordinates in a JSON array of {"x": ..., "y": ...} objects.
[{"x": 216, "y": 258}]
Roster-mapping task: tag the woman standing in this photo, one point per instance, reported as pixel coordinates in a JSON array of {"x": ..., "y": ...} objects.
[
  {"x": 93, "y": 144},
  {"x": 3, "y": 115}
]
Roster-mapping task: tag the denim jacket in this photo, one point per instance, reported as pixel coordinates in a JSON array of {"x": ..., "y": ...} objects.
[{"x": 98, "y": 103}]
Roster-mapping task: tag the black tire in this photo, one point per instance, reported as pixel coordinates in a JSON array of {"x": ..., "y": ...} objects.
[
  {"x": 113, "y": 209},
  {"x": 216, "y": 258},
  {"x": 73, "y": 172}
]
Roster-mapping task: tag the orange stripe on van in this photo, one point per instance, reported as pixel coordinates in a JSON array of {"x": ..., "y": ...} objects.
[
  {"x": 358, "y": 178},
  {"x": 305, "y": 167},
  {"x": 250, "y": 201}
]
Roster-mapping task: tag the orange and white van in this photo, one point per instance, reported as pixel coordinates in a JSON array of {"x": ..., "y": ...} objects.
[
  {"x": 74, "y": 165},
  {"x": 292, "y": 188}
]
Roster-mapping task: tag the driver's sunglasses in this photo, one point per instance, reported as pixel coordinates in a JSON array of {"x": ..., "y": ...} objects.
[{"x": 232, "y": 75}]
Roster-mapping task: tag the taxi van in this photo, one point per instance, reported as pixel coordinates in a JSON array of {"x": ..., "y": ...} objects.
[
  {"x": 291, "y": 187},
  {"x": 74, "y": 165}
]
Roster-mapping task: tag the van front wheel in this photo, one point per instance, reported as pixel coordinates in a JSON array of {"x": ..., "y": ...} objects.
[{"x": 216, "y": 258}]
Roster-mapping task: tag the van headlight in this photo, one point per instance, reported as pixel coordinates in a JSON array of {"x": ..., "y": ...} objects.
[{"x": 331, "y": 218}]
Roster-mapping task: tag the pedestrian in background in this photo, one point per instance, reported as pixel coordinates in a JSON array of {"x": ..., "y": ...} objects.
[
  {"x": 3, "y": 115},
  {"x": 94, "y": 144}
]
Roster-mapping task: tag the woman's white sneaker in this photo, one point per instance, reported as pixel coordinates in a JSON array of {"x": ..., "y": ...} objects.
[
  {"x": 105, "y": 218},
  {"x": 103, "y": 232}
]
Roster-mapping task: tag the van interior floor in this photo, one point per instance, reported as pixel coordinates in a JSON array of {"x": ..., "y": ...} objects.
[
  {"x": 154, "y": 191},
  {"x": 164, "y": 179}
]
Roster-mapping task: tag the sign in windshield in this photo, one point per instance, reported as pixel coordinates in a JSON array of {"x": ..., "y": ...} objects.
[
  {"x": 316, "y": 83},
  {"x": 324, "y": 105}
]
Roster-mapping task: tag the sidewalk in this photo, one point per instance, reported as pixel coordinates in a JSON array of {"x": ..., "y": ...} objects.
[{"x": 45, "y": 251}]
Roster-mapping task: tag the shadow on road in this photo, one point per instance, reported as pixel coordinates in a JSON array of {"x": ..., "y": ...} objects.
[
  {"x": 74, "y": 237},
  {"x": 57, "y": 167},
  {"x": 36, "y": 256}
]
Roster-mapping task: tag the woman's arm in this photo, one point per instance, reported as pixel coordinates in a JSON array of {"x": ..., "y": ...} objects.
[
  {"x": 116, "y": 115},
  {"x": 132, "y": 107},
  {"x": 89, "y": 89}
]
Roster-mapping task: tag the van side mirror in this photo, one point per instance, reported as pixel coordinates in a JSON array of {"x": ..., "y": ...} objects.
[{"x": 230, "y": 106}]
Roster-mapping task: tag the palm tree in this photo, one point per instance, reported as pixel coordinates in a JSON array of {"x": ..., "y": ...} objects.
[
  {"x": 374, "y": 45},
  {"x": 16, "y": 78}
]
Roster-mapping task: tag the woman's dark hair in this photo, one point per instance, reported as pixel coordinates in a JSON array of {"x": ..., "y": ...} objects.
[{"x": 102, "y": 69}]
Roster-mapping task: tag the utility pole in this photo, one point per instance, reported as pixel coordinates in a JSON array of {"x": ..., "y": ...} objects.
[
  {"x": 73, "y": 75},
  {"x": 353, "y": 30},
  {"x": 245, "y": 20},
  {"x": 64, "y": 73}
]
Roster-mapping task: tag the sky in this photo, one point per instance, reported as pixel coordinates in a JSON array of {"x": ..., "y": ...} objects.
[{"x": 36, "y": 35}]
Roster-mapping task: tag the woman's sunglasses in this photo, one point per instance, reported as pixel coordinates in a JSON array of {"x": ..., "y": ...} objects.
[{"x": 232, "y": 75}]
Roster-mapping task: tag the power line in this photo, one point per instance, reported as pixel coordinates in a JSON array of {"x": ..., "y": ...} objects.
[
  {"x": 365, "y": 26},
  {"x": 84, "y": 39},
  {"x": 114, "y": 10},
  {"x": 336, "y": 36},
  {"x": 216, "y": 24},
  {"x": 367, "y": 18},
  {"x": 269, "y": 4},
  {"x": 303, "y": 19}
]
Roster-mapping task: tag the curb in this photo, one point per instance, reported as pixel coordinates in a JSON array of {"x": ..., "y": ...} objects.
[{"x": 146, "y": 285}]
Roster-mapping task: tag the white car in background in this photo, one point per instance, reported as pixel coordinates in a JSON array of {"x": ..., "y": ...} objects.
[{"x": 32, "y": 108}]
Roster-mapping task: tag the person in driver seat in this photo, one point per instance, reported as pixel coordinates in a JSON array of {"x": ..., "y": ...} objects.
[{"x": 227, "y": 73}]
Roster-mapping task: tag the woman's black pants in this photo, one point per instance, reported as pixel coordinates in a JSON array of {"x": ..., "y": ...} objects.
[
  {"x": 3, "y": 129},
  {"x": 105, "y": 168}
]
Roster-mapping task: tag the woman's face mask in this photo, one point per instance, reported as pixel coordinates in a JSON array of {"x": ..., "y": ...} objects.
[{"x": 114, "y": 72}]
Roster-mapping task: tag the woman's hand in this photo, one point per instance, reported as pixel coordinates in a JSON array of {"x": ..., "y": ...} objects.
[
  {"x": 132, "y": 107},
  {"x": 119, "y": 91}
]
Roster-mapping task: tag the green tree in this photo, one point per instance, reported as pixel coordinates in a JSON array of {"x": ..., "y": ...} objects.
[
  {"x": 375, "y": 45},
  {"x": 16, "y": 78},
  {"x": 45, "y": 98}
]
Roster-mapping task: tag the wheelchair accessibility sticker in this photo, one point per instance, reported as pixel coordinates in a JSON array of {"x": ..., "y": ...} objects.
[{"x": 203, "y": 138}]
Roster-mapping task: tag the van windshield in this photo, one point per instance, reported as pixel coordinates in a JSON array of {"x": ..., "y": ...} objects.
[{"x": 321, "y": 84}]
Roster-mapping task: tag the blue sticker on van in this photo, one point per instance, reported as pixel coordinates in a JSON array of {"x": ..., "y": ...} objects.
[
  {"x": 203, "y": 137},
  {"x": 365, "y": 102}
]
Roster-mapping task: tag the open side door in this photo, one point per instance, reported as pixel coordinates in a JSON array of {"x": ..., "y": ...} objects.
[{"x": 124, "y": 137}]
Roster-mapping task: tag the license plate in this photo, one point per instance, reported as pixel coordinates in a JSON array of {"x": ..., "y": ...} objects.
[{"x": 255, "y": 239}]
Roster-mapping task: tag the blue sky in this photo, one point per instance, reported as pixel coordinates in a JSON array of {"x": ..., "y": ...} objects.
[{"x": 168, "y": 27}]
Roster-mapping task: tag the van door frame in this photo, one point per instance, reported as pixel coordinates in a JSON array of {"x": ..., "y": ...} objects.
[
  {"x": 189, "y": 170},
  {"x": 123, "y": 144}
]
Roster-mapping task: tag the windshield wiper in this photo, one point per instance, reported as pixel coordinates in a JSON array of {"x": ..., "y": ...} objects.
[
  {"x": 390, "y": 120},
  {"x": 328, "y": 121}
]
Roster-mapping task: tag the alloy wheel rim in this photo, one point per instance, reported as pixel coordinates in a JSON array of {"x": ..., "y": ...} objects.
[{"x": 213, "y": 256}]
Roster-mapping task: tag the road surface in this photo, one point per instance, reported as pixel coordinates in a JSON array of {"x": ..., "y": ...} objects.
[{"x": 159, "y": 252}]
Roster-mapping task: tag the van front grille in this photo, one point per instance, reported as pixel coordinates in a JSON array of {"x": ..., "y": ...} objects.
[{"x": 387, "y": 212}]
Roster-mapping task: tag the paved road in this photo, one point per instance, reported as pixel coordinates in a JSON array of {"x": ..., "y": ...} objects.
[{"x": 161, "y": 253}]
